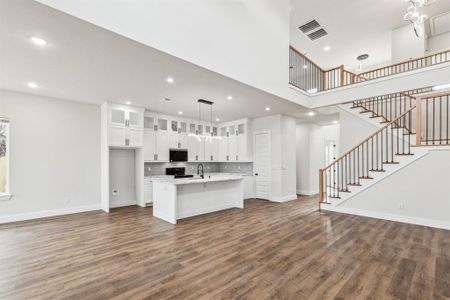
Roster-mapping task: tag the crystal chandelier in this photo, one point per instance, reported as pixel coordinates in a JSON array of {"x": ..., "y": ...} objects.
[{"x": 415, "y": 15}]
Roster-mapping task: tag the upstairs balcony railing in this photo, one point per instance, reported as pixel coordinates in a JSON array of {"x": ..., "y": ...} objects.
[{"x": 308, "y": 76}]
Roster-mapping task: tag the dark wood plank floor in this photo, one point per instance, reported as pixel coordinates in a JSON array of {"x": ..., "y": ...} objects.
[{"x": 265, "y": 251}]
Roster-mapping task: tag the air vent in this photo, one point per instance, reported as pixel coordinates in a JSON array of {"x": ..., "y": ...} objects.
[
  {"x": 317, "y": 34},
  {"x": 440, "y": 24},
  {"x": 309, "y": 26}
]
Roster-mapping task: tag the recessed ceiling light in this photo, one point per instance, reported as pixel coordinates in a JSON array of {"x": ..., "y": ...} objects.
[
  {"x": 267, "y": 108},
  {"x": 311, "y": 113},
  {"x": 217, "y": 120},
  {"x": 167, "y": 99},
  {"x": 335, "y": 122},
  {"x": 230, "y": 97},
  {"x": 180, "y": 112},
  {"x": 305, "y": 66},
  {"x": 33, "y": 85},
  {"x": 169, "y": 79},
  {"x": 38, "y": 41},
  {"x": 312, "y": 91},
  {"x": 128, "y": 103},
  {"x": 326, "y": 48}
]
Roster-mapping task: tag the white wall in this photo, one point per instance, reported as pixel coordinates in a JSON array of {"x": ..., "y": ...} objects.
[
  {"x": 405, "y": 44},
  {"x": 353, "y": 130},
  {"x": 122, "y": 177},
  {"x": 438, "y": 43},
  {"x": 311, "y": 140},
  {"x": 55, "y": 156},
  {"x": 282, "y": 130},
  {"x": 417, "y": 193},
  {"x": 244, "y": 40}
]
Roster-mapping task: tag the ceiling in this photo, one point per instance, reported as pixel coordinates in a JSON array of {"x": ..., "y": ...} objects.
[
  {"x": 354, "y": 27},
  {"x": 85, "y": 63}
]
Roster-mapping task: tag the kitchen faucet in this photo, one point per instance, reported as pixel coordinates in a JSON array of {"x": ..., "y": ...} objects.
[{"x": 200, "y": 168}]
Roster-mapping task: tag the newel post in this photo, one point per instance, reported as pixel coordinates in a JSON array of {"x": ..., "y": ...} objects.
[
  {"x": 320, "y": 187},
  {"x": 342, "y": 75},
  {"x": 418, "y": 121}
]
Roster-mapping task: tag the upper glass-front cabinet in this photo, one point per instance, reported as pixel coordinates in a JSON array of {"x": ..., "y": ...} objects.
[
  {"x": 174, "y": 126},
  {"x": 183, "y": 127},
  {"x": 117, "y": 116},
  {"x": 162, "y": 124},
  {"x": 149, "y": 122},
  {"x": 241, "y": 129}
]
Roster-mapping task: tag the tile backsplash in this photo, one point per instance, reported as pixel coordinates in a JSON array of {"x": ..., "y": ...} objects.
[{"x": 152, "y": 169}]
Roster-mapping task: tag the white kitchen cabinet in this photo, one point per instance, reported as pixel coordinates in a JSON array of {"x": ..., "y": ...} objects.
[
  {"x": 242, "y": 140},
  {"x": 196, "y": 149},
  {"x": 162, "y": 146},
  {"x": 249, "y": 187},
  {"x": 212, "y": 150},
  {"x": 148, "y": 192},
  {"x": 149, "y": 150},
  {"x": 125, "y": 126}
]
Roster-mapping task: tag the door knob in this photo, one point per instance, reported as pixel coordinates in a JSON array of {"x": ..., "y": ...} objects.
[{"x": 256, "y": 174}]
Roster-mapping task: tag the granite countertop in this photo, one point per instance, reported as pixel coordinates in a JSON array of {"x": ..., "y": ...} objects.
[{"x": 209, "y": 177}]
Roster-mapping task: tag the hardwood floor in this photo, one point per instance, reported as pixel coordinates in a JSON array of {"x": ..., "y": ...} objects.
[{"x": 265, "y": 251}]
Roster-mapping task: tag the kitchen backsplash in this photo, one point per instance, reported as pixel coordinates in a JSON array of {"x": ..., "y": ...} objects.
[{"x": 152, "y": 169}]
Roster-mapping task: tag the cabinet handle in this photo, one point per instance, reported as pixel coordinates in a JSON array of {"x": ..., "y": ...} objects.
[
  {"x": 228, "y": 157},
  {"x": 179, "y": 145},
  {"x": 237, "y": 157},
  {"x": 196, "y": 157},
  {"x": 212, "y": 157},
  {"x": 156, "y": 156},
  {"x": 127, "y": 142}
]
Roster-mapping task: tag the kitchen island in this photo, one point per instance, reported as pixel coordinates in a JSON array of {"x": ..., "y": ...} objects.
[{"x": 175, "y": 199}]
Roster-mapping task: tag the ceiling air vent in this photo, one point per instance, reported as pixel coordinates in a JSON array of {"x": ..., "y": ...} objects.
[
  {"x": 311, "y": 25},
  {"x": 317, "y": 34},
  {"x": 440, "y": 24}
]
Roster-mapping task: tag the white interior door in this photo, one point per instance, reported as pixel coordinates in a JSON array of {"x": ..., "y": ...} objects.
[{"x": 262, "y": 165}]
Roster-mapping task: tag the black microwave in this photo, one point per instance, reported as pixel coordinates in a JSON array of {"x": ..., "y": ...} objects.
[{"x": 178, "y": 155}]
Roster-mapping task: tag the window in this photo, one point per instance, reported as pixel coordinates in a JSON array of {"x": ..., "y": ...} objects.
[{"x": 4, "y": 157}]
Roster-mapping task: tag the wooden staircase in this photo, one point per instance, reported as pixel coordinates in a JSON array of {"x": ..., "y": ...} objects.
[{"x": 408, "y": 120}]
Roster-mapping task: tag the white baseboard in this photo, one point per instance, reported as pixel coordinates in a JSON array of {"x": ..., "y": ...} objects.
[
  {"x": 387, "y": 216},
  {"x": 307, "y": 193},
  {"x": 122, "y": 203},
  {"x": 48, "y": 213},
  {"x": 284, "y": 198}
]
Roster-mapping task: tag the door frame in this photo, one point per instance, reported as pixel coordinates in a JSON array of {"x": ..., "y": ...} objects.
[{"x": 269, "y": 133}]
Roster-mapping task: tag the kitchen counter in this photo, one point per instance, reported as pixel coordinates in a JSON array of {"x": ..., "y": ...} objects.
[
  {"x": 175, "y": 199},
  {"x": 209, "y": 177}
]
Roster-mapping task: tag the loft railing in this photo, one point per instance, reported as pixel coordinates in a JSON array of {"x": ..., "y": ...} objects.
[
  {"x": 405, "y": 66},
  {"x": 371, "y": 155},
  {"x": 308, "y": 76},
  {"x": 433, "y": 120}
]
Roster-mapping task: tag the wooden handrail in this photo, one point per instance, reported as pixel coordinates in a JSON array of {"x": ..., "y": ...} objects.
[
  {"x": 357, "y": 78},
  {"x": 305, "y": 57},
  {"x": 404, "y": 62},
  {"x": 368, "y": 138}
]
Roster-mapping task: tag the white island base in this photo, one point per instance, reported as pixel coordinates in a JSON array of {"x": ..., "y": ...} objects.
[{"x": 182, "y": 198}]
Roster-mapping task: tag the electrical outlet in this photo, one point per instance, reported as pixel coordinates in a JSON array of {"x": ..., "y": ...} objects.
[
  {"x": 115, "y": 192},
  {"x": 400, "y": 205}
]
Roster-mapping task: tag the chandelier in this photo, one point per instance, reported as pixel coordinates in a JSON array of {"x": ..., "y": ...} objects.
[
  {"x": 415, "y": 15},
  {"x": 208, "y": 137}
]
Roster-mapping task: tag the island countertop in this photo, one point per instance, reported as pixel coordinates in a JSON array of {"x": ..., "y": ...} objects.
[{"x": 209, "y": 177}]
